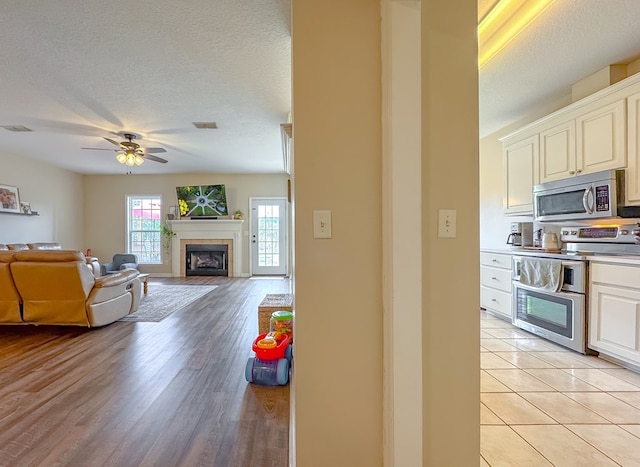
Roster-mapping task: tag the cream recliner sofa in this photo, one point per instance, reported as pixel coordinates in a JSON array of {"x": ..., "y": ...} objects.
[{"x": 56, "y": 287}]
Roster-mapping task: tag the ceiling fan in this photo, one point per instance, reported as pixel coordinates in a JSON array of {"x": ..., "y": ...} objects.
[{"x": 130, "y": 153}]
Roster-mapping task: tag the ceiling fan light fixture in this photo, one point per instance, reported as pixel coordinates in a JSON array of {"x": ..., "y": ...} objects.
[{"x": 129, "y": 158}]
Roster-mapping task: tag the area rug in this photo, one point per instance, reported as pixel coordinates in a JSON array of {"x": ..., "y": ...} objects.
[{"x": 163, "y": 300}]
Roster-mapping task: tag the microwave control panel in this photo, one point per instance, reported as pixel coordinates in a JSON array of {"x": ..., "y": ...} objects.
[{"x": 602, "y": 198}]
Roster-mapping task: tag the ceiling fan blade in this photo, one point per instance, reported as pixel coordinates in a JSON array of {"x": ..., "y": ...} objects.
[
  {"x": 155, "y": 150},
  {"x": 154, "y": 158},
  {"x": 112, "y": 141},
  {"x": 101, "y": 149}
]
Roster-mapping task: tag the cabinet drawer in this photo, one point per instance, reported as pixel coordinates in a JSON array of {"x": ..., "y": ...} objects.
[
  {"x": 496, "y": 278},
  {"x": 496, "y": 300},
  {"x": 496, "y": 260},
  {"x": 621, "y": 275}
]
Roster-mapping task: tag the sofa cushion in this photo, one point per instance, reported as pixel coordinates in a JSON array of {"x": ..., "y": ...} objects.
[
  {"x": 50, "y": 256},
  {"x": 128, "y": 266},
  {"x": 44, "y": 246},
  {"x": 18, "y": 246}
]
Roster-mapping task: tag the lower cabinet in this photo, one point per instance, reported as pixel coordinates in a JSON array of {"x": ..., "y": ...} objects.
[
  {"x": 495, "y": 283},
  {"x": 614, "y": 311}
]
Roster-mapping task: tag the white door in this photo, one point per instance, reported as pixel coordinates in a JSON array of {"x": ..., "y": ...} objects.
[{"x": 269, "y": 243}]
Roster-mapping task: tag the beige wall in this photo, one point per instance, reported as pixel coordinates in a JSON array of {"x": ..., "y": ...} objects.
[
  {"x": 105, "y": 200},
  {"x": 56, "y": 194},
  {"x": 451, "y": 321},
  {"x": 337, "y": 140},
  {"x": 337, "y": 166}
]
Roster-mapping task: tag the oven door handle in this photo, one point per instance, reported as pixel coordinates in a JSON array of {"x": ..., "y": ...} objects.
[
  {"x": 585, "y": 200},
  {"x": 520, "y": 285}
]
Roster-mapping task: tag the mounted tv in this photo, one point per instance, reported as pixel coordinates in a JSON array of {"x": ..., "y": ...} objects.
[{"x": 202, "y": 201}]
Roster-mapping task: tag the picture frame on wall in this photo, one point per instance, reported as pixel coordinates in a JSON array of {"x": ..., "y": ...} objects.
[
  {"x": 9, "y": 199},
  {"x": 25, "y": 207}
]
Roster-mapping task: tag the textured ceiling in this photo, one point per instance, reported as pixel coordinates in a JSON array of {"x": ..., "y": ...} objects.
[
  {"x": 75, "y": 71},
  {"x": 569, "y": 41}
]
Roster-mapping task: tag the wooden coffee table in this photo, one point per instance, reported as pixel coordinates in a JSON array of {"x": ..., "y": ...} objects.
[{"x": 144, "y": 278}]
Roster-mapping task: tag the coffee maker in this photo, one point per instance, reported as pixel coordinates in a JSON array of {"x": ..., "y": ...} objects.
[{"x": 521, "y": 234}]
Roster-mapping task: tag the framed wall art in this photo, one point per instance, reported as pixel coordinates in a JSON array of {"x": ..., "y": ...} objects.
[{"x": 9, "y": 199}]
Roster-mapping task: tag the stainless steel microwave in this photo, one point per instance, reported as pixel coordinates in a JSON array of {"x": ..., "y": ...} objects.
[{"x": 590, "y": 196}]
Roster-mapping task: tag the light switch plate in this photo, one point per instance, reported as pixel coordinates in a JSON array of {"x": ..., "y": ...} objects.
[
  {"x": 447, "y": 223},
  {"x": 321, "y": 224}
]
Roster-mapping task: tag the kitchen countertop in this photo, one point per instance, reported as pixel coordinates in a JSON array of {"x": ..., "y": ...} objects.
[{"x": 597, "y": 257}]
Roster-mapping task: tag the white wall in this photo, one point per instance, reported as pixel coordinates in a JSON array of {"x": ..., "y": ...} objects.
[
  {"x": 402, "y": 233},
  {"x": 105, "y": 199},
  {"x": 494, "y": 225},
  {"x": 56, "y": 194}
]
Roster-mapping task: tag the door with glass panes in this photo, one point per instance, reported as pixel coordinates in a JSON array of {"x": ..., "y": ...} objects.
[{"x": 269, "y": 244}]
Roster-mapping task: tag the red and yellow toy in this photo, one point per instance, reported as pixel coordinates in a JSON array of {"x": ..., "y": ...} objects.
[{"x": 271, "y": 346}]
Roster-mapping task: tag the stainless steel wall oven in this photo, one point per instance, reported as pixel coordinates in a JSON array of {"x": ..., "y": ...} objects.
[{"x": 559, "y": 316}]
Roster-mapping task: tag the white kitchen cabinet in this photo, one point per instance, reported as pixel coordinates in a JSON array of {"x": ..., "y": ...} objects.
[
  {"x": 601, "y": 137},
  {"x": 614, "y": 311},
  {"x": 632, "y": 175},
  {"x": 558, "y": 152},
  {"x": 590, "y": 138},
  {"x": 495, "y": 283},
  {"x": 519, "y": 174}
]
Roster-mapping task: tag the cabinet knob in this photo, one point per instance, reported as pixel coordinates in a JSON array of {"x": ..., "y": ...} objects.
[
  {"x": 571, "y": 172},
  {"x": 578, "y": 171},
  {"x": 494, "y": 260},
  {"x": 494, "y": 300},
  {"x": 494, "y": 278}
]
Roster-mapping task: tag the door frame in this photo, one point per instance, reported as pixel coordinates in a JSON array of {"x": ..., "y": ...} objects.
[{"x": 286, "y": 230}]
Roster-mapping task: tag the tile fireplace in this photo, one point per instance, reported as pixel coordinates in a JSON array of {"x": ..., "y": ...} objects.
[{"x": 221, "y": 232}]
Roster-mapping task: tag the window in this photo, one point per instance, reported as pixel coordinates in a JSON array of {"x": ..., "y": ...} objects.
[{"x": 143, "y": 228}]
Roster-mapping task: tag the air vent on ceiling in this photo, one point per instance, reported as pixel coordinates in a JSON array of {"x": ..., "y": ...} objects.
[
  {"x": 206, "y": 125},
  {"x": 16, "y": 128}
]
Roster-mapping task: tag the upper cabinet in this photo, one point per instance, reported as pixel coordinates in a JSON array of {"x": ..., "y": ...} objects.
[
  {"x": 593, "y": 139},
  {"x": 519, "y": 158},
  {"x": 599, "y": 132},
  {"x": 558, "y": 152},
  {"x": 632, "y": 175}
]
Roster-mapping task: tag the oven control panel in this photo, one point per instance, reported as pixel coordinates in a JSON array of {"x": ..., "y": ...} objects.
[{"x": 601, "y": 234}]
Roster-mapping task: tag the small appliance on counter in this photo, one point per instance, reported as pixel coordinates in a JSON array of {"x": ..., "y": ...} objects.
[{"x": 521, "y": 234}]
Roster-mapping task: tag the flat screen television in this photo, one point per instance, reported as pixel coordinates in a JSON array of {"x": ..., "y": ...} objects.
[{"x": 202, "y": 201}]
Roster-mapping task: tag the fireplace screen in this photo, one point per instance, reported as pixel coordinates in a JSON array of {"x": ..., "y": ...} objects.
[{"x": 207, "y": 260}]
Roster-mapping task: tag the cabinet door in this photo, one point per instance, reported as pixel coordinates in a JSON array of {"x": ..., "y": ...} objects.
[
  {"x": 632, "y": 175},
  {"x": 614, "y": 322},
  {"x": 601, "y": 138},
  {"x": 519, "y": 159},
  {"x": 558, "y": 152}
]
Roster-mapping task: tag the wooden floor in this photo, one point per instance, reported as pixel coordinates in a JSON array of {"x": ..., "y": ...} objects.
[{"x": 171, "y": 393}]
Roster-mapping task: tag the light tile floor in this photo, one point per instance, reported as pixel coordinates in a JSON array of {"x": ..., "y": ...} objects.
[{"x": 541, "y": 404}]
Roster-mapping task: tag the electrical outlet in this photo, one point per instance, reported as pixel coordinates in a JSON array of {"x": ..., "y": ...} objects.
[{"x": 447, "y": 223}]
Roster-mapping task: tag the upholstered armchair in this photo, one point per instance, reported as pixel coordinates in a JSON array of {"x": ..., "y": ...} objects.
[{"x": 120, "y": 261}]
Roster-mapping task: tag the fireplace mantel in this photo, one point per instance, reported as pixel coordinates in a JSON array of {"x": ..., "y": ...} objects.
[{"x": 219, "y": 229}]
